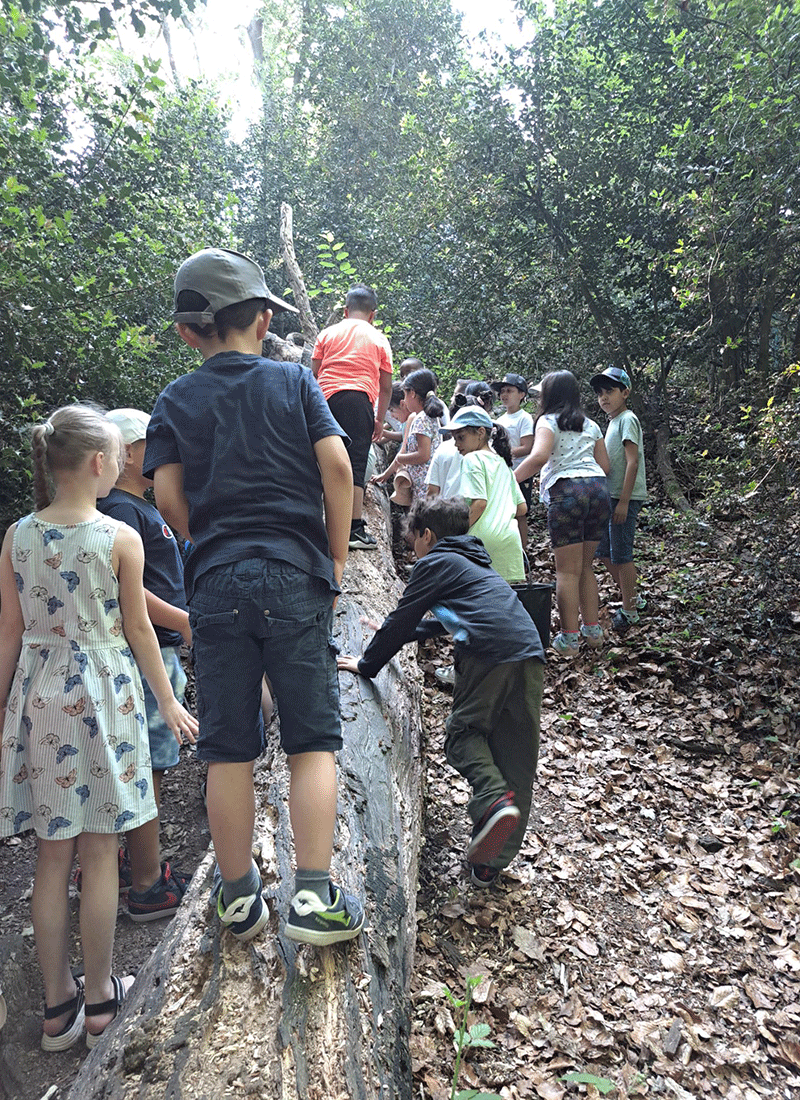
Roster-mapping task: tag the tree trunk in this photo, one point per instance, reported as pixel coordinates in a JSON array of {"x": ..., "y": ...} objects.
[
  {"x": 766, "y": 314},
  {"x": 666, "y": 472},
  {"x": 211, "y": 1017},
  {"x": 296, "y": 281}
]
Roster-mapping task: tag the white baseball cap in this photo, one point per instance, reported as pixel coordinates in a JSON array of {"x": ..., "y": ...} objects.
[{"x": 132, "y": 423}]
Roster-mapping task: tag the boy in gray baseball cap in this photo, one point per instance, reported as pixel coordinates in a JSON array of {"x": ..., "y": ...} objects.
[{"x": 242, "y": 452}]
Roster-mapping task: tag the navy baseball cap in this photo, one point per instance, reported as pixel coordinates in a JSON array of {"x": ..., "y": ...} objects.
[
  {"x": 612, "y": 374},
  {"x": 511, "y": 380}
]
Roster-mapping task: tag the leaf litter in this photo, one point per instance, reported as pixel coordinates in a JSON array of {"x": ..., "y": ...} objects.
[{"x": 647, "y": 935}]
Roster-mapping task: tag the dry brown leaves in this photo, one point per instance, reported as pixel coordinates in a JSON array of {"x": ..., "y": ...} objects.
[{"x": 648, "y": 933}]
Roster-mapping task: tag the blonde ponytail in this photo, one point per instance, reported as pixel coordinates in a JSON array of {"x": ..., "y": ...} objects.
[{"x": 63, "y": 441}]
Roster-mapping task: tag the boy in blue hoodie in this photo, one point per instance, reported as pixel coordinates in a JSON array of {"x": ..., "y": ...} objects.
[{"x": 493, "y": 730}]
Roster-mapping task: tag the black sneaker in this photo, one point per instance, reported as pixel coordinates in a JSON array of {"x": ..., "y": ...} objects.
[
  {"x": 244, "y": 917},
  {"x": 162, "y": 899},
  {"x": 361, "y": 539},
  {"x": 311, "y": 921},
  {"x": 483, "y": 876},
  {"x": 493, "y": 829}
]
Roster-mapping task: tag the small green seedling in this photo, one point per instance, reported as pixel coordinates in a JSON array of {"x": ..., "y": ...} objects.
[
  {"x": 602, "y": 1084},
  {"x": 780, "y": 823},
  {"x": 467, "y": 1037}
]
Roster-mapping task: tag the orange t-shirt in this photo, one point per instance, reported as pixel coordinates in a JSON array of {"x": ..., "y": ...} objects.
[{"x": 353, "y": 354}]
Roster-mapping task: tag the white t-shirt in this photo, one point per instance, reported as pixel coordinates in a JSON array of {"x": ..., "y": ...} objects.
[
  {"x": 516, "y": 424},
  {"x": 572, "y": 454},
  {"x": 445, "y": 470}
]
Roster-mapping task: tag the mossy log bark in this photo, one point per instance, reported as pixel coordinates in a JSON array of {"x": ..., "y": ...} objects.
[{"x": 210, "y": 1017}]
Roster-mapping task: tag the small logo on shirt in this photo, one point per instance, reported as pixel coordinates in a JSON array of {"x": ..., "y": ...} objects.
[{"x": 166, "y": 532}]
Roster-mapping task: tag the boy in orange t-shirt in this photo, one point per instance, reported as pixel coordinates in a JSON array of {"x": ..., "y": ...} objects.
[{"x": 353, "y": 364}]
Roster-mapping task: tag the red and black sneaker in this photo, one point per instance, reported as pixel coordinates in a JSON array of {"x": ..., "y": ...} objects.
[
  {"x": 162, "y": 899},
  {"x": 493, "y": 829},
  {"x": 125, "y": 876},
  {"x": 483, "y": 876}
]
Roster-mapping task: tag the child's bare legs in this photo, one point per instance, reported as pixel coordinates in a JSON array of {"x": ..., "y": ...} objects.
[
  {"x": 98, "y": 917},
  {"x": 588, "y": 597},
  {"x": 569, "y": 569},
  {"x": 144, "y": 848},
  {"x": 50, "y": 909},
  {"x": 267, "y": 706},
  {"x": 625, "y": 578},
  {"x": 231, "y": 808},
  {"x": 312, "y": 808}
]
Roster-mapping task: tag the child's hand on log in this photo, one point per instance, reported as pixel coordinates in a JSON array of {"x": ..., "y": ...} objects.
[{"x": 346, "y": 663}]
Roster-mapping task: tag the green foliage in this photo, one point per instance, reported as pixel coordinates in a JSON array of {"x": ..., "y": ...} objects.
[
  {"x": 602, "y": 1084},
  {"x": 107, "y": 185},
  {"x": 467, "y": 1036}
]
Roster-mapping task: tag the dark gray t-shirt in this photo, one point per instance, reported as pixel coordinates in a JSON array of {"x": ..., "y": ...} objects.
[{"x": 243, "y": 428}]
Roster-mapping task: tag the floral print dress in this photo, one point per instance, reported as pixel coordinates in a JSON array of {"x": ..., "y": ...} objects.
[{"x": 75, "y": 754}]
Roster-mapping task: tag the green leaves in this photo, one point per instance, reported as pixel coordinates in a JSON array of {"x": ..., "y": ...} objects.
[{"x": 602, "y": 1084}]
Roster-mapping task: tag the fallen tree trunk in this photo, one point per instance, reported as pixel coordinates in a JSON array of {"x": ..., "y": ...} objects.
[
  {"x": 667, "y": 474},
  {"x": 210, "y": 1017}
]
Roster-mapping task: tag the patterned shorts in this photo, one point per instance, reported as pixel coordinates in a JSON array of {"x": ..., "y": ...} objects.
[{"x": 578, "y": 511}]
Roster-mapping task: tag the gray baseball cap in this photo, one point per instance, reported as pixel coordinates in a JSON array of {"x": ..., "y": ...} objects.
[{"x": 224, "y": 278}]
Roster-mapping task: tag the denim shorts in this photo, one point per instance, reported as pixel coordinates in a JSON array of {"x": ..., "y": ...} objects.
[
  {"x": 578, "y": 510},
  {"x": 617, "y": 540},
  {"x": 164, "y": 749},
  {"x": 261, "y": 616}
]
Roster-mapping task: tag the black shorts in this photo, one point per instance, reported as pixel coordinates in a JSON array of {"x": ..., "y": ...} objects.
[{"x": 353, "y": 411}]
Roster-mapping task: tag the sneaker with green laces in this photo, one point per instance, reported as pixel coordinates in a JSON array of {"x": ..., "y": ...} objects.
[{"x": 310, "y": 920}]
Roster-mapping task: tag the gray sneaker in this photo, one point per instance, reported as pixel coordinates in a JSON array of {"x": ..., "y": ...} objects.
[
  {"x": 310, "y": 920},
  {"x": 244, "y": 917}
]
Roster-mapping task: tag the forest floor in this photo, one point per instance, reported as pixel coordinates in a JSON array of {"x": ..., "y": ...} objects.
[{"x": 647, "y": 935}]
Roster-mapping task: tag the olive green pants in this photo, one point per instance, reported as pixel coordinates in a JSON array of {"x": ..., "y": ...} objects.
[{"x": 493, "y": 736}]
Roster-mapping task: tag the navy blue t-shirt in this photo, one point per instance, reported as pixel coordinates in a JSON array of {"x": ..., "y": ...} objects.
[
  {"x": 243, "y": 428},
  {"x": 163, "y": 565}
]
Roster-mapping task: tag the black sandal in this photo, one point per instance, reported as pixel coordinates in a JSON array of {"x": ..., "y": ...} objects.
[
  {"x": 113, "y": 1005},
  {"x": 71, "y": 1031}
]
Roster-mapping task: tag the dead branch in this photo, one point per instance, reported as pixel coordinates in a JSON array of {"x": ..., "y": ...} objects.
[{"x": 296, "y": 281}]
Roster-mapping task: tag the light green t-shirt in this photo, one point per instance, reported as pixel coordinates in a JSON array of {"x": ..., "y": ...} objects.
[
  {"x": 624, "y": 427},
  {"x": 485, "y": 476}
]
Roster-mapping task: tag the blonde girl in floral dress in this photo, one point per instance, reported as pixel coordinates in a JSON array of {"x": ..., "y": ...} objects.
[{"x": 74, "y": 763}]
